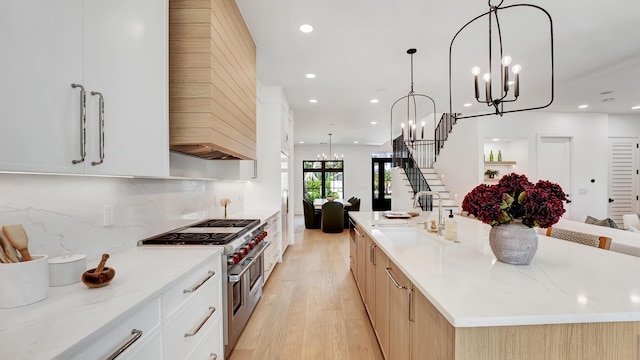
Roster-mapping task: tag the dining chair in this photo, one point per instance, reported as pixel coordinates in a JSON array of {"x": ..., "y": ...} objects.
[
  {"x": 601, "y": 242},
  {"x": 312, "y": 216},
  {"x": 332, "y": 217}
]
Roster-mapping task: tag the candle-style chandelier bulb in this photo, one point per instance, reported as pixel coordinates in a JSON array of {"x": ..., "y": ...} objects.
[
  {"x": 516, "y": 69},
  {"x": 506, "y": 60},
  {"x": 475, "y": 70}
]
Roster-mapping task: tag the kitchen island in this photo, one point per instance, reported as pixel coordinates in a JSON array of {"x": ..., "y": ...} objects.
[{"x": 571, "y": 302}]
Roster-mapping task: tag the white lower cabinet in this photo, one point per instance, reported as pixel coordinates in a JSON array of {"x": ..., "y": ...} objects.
[
  {"x": 188, "y": 325},
  {"x": 271, "y": 256},
  {"x": 211, "y": 346},
  {"x": 185, "y": 321},
  {"x": 137, "y": 330},
  {"x": 151, "y": 349},
  {"x": 192, "y": 310}
]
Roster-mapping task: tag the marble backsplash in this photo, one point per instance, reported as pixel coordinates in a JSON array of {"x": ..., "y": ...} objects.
[{"x": 65, "y": 213}]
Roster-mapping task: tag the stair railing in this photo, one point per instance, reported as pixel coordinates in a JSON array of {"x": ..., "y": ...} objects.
[{"x": 403, "y": 157}]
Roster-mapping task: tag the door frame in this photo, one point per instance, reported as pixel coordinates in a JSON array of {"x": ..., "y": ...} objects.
[
  {"x": 569, "y": 171},
  {"x": 379, "y": 204}
]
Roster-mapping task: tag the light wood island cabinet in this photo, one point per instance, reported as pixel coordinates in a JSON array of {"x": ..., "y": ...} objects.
[
  {"x": 400, "y": 293},
  {"x": 454, "y": 302},
  {"x": 381, "y": 323},
  {"x": 370, "y": 280}
]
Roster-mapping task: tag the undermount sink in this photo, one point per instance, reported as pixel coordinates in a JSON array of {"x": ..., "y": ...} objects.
[{"x": 411, "y": 236}]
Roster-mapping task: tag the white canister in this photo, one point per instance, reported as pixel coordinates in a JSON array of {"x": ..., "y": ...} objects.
[
  {"x": 66, "y": 269},
  {"x": 25, "y": 282}
]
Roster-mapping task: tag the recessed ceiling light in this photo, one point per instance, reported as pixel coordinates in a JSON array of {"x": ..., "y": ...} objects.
[
  {"x": 310, "y": 76},
  {"x": 373, "y": 122},
  {"x": 635, "y": 107},
  {"x": 301, "y": 142},
  {"x": 313, "y": 101},
  {"x": 496, "y": 139},
  {"x": 467, "y": 105},
  {"x": 583, "y": 106},
  {"x": 306, "y": 28},
  {"x": 355, "y": 142},
  {"x": 373, "y": 101}
]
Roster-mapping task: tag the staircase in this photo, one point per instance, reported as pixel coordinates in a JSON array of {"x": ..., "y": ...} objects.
[
  {"x": 436, "y": 184},
  {"x": 416, "y": 159}
]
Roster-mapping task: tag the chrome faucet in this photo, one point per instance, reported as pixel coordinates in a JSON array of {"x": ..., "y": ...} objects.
[{"x": 440, "y": 217}]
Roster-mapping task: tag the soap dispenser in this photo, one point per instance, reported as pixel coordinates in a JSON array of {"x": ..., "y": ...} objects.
[{"x": 450, "y": 228}]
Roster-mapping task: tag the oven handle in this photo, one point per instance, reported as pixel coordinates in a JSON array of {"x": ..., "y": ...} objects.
[{"x": 253, "y": 257}]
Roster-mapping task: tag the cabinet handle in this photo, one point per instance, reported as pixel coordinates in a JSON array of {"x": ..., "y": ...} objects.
[
  {"x": 83, "y": 123},
  {"x": 356, "y": 230},
  {"x": 411, "y": 305},
  {"x": 213, "y": 356},
  {"x": 197, "y": 286},
  {"x": 211, "y": 311},
  {"x": 395, "y": 282},
  {"x": 372, "y": 257},
  {"x": 100, "y": 126},
  {"x": 136, "y": 335}
]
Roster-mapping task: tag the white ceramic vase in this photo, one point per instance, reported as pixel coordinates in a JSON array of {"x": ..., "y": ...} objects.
[{"x": 514, "y": 243}]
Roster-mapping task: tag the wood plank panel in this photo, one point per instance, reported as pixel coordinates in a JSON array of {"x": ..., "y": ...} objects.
[
  {"x": 592, "y": 341},
  {"x": 211, "y": 47},
  {"x": 432, "y": 336}
]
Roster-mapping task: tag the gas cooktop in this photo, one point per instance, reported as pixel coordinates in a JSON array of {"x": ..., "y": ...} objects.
[{"x": 208, "y": 232}]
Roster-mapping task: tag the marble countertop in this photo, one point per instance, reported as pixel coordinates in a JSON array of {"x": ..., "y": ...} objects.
[
  {"x": 71, "y": 313},
  {"x": 565, "y": 282}
]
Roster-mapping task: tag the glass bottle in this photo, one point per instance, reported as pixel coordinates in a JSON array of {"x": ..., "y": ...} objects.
[
  {"x": 491, "y": 156},
  {"x": 499, "y": 155}
]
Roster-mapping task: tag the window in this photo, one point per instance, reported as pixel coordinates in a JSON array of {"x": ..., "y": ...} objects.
[{"x": 322, "y": 178}]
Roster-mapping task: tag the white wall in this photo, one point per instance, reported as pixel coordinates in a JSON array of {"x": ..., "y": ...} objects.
[
  {"x": 357, "y": 170},
  {"x": 462, "y": 156},
  {"x": 461, "y": 160}
]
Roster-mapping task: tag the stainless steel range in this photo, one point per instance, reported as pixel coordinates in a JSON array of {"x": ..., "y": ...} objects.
[{"x": 243, "y": 253}]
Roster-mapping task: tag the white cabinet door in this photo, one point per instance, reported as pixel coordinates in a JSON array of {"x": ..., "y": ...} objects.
[
  {"x": 117, "y": 48},
  {"x": 126, "y": 60},
  {"x": 41, "y": 44}
]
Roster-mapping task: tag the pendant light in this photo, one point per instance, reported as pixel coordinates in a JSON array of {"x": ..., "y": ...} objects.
[{"x": 497, "y": 89}]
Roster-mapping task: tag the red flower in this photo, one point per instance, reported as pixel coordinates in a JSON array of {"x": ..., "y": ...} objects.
[{"x": 514, "y": 197}]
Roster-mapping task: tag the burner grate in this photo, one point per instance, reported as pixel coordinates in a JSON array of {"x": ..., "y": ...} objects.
[
  {"x": 228, "y": 223},
  {"x": 191, "y": 239}
]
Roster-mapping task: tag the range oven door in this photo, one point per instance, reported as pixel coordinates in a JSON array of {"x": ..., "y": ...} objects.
[{"x": 244, "y": 289}]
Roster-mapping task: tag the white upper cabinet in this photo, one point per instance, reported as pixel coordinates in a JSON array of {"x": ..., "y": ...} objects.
[
  {"x": 39, "y": 111},
  {"x": 117, "y": 49}
]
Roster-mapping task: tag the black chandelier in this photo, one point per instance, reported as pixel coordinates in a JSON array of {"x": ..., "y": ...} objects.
[
  {"x": 412, "y": 111},
  {"x": 505, "y": 93}
]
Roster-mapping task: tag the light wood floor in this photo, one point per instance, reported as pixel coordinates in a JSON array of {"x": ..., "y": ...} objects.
[{"x": 310, "y": 306}]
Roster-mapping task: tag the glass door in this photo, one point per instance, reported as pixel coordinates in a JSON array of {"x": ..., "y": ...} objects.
[{"x": 381, "y": 186}]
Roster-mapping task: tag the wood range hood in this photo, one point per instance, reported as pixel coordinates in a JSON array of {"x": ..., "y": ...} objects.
[{"x": 212, "y": 81}]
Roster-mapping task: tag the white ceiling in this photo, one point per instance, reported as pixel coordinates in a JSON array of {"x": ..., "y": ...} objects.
[{"x": 358, "y": 52}]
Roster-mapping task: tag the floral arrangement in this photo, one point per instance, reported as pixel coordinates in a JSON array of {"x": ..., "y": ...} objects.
[
  {"x": 515, "y": 198},
  {"x": 224, "y": 202}
]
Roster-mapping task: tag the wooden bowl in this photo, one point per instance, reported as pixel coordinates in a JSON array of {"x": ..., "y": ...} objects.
[{"x": 93, "y": 280}]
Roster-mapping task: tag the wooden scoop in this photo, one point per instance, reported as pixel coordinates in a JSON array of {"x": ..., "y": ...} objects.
[
  {"x": 100, "y": 276},
  {"x": 18, "y": 239}
]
